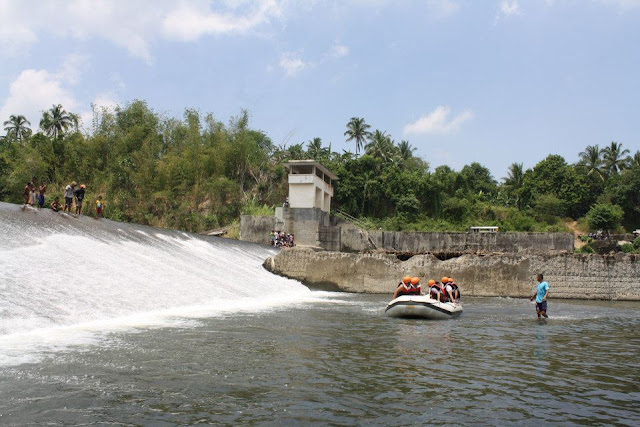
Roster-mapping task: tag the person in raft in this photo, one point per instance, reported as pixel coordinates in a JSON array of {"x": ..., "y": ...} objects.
[
  {"x": 55, "y": 205},
  {"x": 542, "y": 292},
  {"x": 99, "y": 207},
  {"x": 79, "y": 193},
  {"x": 408, "y": 286},
  {"x": 68, "y": 196},
  {"x": 451, "y": 290},
  {"x": 436, "y": 290}
]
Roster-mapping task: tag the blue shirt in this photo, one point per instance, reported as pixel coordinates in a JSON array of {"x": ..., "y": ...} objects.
[{"x": 543, "y": 287}]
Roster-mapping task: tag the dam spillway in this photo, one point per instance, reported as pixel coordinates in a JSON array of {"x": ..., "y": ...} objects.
[
  {"x": 108, "y": 323},
  {"x": 65, "y": 280}
]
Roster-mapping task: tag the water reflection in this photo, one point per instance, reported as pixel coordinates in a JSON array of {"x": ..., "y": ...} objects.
[{"x": 542, "y": 341}]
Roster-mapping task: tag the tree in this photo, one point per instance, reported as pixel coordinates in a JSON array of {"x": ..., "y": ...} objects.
[
  {"x": 604, "y": 216},
  {"x": 357, "y": 131},
  {"x": 56, "y": 121},
  {"x": 549, "y": 176},
  {"x": 624, "y": 190},
  {"x": 381, "y": 146},
  {"x": 405, "y": 150},
  {"x": 17, "y": 127},
  {"x": 477, "y": 179},
  {"x": 315, "y": 150},
  {"x": 296, "y": 152},
  {"x": 614, "y": 160},
  {"x": 549, "y": 207},
  {"x": 513, "y": 182},
  {"x": 591, "y": 158}
]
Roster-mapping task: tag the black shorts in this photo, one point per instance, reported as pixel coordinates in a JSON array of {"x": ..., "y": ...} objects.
[
  {"x": 68, "y": 201},
  {"x": 541, "y": 306}
]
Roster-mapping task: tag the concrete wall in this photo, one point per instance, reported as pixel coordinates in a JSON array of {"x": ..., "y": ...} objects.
[
  {"x": 255, "y": 228},
  {"x": 329, "y": 238},
  {"x": 355, "y": 240},
  {"x": 302, "y": 195},
  {"x": 309, "y": 191},
  {"x": 313, "y": 227},
  {"x": 569, "y": 275}
]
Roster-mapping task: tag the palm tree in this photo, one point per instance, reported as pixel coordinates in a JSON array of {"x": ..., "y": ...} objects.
[
  {"x": 635, "y": 160},
  {"x": 314, "y": 149},
  {"x": 614, "y": 160},
  {"x": 17, "y": 127},
  {"x": 75, "y": 120},
  {"x": 405, "y": 150},
  {"x": 381, "y": 146},
  {"x": 591, "y": 157},
  {"x": 514, "y": 181},
  {"x": 56, "y": 121},
  {"x": 357, "y": 130},
  {"x": 296, "y": 152}
]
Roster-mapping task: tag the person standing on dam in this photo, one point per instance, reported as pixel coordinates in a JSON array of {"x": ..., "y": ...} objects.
[
  {"x": 542, "y": 292},
  {"x": 27, "y": 195},
  {"x": 43, "y": 190},
  {"x": 79, "y": 194},
  {"x": 68, "y": 196}
]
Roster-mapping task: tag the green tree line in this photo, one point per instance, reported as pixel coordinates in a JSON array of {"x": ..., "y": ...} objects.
[{"x": 195, "y": 173}]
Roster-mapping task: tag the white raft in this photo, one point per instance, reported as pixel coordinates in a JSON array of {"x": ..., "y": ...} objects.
[{"x": 422, "y": 307}]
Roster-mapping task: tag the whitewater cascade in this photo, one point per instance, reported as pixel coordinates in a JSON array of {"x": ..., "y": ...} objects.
[{"x": 64, "y": 280}]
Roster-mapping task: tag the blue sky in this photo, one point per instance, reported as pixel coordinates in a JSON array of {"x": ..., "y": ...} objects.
[{"x": 495, "y": 81}]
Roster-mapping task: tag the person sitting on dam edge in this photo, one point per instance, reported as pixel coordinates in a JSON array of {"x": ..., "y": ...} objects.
[{"x": 55, "y": 205}]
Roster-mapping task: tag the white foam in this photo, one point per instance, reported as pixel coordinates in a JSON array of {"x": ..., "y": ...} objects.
[{"x": 72, "y": 287}]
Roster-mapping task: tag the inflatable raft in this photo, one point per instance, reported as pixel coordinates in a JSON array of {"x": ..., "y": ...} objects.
[{"x": 422, "y": 307}]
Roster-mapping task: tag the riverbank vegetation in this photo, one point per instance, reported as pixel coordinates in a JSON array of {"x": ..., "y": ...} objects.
[{"x": 196, "y": 173}]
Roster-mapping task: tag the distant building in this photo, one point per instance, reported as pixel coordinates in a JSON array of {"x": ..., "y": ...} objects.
[
  {"x": 305, "y": 213},
  {"x": 310, "y": 185}
]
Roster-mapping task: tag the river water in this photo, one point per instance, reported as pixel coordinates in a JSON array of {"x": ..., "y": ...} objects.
[{"x": 169, "y": 350}]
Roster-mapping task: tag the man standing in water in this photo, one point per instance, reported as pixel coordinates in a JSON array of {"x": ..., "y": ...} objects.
[{"x": 542, "y": 292}]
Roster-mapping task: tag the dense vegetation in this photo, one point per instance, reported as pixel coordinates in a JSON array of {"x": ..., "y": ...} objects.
[{"x": 199, "y": 173}]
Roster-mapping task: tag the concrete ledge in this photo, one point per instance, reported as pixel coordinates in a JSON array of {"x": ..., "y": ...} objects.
[{"x": 575, "y": 276}]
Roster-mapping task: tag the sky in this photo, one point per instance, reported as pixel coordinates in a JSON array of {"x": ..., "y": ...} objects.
[{"x": 488, "y": 81}]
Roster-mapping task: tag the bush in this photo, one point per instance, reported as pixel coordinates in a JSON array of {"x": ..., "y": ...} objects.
[
  {"x": 548, "y": 208},
  {"x": 627, "y": 248},
  {"x": 408, "y": 206},
  {"x": 556, "y": 228},
  {"x": 519, "y": 222},
  {"x": 456, "y": 209},
  {"x": 254, "y": 208},
  {"x": 604, "y": 216},
  {"x": 586, "y": 239},
  {"x": 636, "y": 243},
  {"x": 586, "y": 249}
]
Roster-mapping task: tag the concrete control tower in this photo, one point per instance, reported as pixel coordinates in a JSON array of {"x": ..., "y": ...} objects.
[
  {"x": 306, "y": 215},
  {"x": 310, "y": 185}
]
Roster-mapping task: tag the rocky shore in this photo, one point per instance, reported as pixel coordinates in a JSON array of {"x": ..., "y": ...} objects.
[{"x": 575, "y": 276}]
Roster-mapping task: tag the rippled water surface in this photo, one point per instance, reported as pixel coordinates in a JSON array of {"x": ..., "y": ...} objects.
[{"x": 340, "y": 361}]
